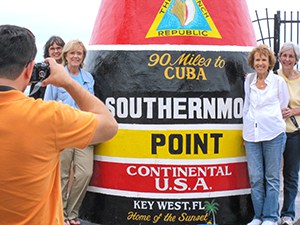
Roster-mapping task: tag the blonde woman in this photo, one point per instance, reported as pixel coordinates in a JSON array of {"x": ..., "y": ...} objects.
[{"x": 73, "y": 56}]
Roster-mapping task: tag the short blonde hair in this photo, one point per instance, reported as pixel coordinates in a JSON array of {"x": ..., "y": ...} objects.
[
  {"x": 262, "y": 50},
  {"x": 69, "y": 46}
]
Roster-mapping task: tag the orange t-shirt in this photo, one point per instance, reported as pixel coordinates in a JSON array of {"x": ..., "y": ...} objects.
[{"x": 32, "y": 134}]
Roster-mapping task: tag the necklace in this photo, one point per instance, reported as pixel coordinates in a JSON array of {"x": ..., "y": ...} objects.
[
  {"x": 261, "y": 85},
  {"x": 260, "y": 82}
]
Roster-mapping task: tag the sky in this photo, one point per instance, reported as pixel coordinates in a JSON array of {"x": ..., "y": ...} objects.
[
  {"x": 72, "y": 19},
  {"x": 69, "y": 19}
]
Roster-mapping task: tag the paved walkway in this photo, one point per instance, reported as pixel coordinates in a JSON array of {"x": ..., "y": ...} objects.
[
  {"x": 297, "y": 219},
  {"x": 83, "y": 222}
]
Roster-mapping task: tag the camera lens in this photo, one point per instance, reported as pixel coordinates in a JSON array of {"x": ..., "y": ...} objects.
[{"x": 42, "y": 74}]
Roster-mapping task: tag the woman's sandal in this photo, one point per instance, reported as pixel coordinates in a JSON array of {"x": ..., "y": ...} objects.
[{"x": 74, "y": 221}]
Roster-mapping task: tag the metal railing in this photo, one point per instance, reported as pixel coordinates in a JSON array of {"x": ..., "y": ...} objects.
[{"x": 274, "y": 31}]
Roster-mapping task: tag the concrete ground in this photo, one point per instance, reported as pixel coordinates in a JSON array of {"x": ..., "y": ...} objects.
[
  {"x": 297, "y": 219},
  {"x": 83, "y": 222}
]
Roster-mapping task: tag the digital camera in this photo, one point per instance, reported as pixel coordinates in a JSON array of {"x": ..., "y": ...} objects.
[{"x": 40, "y": 72}]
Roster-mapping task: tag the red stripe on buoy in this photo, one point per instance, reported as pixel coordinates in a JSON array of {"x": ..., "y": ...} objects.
[
  {"x": 128, "y": 23},
  {"x": 170, "y": 178}
]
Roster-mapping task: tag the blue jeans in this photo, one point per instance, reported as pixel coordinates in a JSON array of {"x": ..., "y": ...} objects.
[
  {"x": 264, "y": 163},
  {"x": 291, "y": 162}
]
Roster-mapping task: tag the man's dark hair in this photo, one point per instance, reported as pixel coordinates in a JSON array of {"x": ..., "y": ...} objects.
[
  {"x": 17, "y": 50},
  {"x": 54, "y": 39}
]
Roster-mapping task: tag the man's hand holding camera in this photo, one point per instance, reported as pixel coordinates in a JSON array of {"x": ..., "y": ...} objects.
[{"x": 58, "y": 77}]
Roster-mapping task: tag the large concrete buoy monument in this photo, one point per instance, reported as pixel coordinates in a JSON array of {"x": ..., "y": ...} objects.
[{"x": 172, "y": 73}]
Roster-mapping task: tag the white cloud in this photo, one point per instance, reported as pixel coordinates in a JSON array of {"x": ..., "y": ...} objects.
[
  {"x": 271, "y": 5},
  {"x": 70, "y": 19}
]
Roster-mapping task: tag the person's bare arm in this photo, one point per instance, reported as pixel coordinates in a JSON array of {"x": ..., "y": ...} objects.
[{"x": 107, "y": 125}]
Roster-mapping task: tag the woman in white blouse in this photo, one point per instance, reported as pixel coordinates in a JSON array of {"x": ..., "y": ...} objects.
[{"x": 266, "y": 95}]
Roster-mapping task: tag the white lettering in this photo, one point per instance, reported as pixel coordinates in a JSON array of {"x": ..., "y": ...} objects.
[{"x": 176, "y": 108}]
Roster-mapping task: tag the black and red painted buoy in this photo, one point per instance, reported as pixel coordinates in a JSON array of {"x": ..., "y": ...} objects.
[{"x": 172, "y": 73}]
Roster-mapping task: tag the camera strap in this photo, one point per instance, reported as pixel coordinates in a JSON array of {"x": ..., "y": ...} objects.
[
  {"x": 37, "y": 86},
  {"x": 6, "y": 88},
  {"x": 294, "y": 121}
]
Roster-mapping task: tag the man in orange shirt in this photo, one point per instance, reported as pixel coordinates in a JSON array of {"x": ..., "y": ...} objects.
[{"x": 33, "y": 132}]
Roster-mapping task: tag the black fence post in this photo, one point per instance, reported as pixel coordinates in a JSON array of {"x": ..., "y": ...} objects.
[
  {"x": 286, "y": 28},
  {"x": 276, "y": 37}
]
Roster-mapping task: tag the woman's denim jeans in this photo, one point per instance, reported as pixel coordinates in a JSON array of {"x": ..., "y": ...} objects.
[
  {"x": 291, "y": 162},
  {"x": 264, "y": 163}
]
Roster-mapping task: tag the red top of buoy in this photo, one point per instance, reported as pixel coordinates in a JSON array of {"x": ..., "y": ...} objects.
[{"x": 193, "y": 22}]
